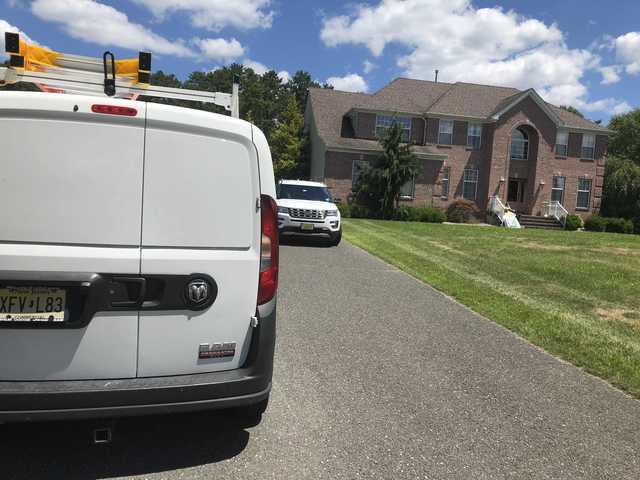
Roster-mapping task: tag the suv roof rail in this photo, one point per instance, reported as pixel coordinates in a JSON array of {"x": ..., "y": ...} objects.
[{"x": 64, "y": 73}]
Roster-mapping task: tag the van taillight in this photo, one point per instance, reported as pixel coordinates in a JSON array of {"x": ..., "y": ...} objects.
[
  {"x": 268, "y": 283},
  {"x": 114, "y": 110}
]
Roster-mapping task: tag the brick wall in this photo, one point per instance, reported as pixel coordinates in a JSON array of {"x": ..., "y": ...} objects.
[
  {"x": 543, "y": 163},
  {"x": 492, "y": 161}
]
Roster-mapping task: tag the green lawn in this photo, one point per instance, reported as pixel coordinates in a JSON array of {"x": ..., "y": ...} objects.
[{"x": 575, "y": 294}]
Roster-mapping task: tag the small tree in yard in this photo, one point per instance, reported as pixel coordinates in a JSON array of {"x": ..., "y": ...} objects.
[
  {"x": 288, "y": 143},
  {"x": 379, "y": 186}
]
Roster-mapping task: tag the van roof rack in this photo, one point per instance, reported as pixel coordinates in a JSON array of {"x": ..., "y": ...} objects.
[{"x": 64, "y": 73}]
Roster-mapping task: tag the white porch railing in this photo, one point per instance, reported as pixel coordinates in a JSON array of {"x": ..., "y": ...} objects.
[
  {"x": 556, "y": 210},
  {"x": 506, "y": 216},
  {"x": 497, "y": 208}
]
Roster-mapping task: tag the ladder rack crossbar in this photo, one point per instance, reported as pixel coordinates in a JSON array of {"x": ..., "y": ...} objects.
[{"x": 93, "y": 84}]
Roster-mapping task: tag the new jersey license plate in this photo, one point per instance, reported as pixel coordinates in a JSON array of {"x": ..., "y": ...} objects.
[
  {"x": 32, "y": 304},
  {"x": 306, "y": 226}
]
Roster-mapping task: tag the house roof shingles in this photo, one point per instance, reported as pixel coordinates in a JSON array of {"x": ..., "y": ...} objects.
[{"x": 418, "y": 97}]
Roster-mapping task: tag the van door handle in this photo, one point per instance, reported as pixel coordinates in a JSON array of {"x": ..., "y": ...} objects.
[{"x": 136, "y": 295}]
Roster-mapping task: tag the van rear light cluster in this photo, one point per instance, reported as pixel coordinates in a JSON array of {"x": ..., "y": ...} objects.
[
  {"x": 268, "y": 283},
  {"x": 114, "y": 110}
]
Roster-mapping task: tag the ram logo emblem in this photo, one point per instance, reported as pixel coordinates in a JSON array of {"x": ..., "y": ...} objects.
[{"x": 197, "y": 291}]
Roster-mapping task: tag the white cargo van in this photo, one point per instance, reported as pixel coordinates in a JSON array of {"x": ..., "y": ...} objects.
[{"x": 138, "y": 259}]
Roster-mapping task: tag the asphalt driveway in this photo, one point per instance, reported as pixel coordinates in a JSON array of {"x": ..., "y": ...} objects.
[{"x": 377, "y": 376}]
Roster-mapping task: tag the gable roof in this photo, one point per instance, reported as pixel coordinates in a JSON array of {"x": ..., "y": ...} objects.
[{"x": 421, "y": 97}]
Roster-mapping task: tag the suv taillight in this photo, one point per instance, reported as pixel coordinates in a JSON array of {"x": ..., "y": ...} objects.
[{"x": 268, "y": 283}]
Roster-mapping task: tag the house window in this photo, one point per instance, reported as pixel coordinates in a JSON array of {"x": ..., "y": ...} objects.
[
  {"x": 562, "y": 143},
  {"x": 588, "y": 146},
  {"x": 519, "y": 145},
  {"x": 584, "y": 194},
  {"x": 445, "y": 132},
  {"x": 557, "y": 189},
  {"x": 408, "y": 190},
  {"x": 474, "y": 135},
  {"x": 445, "y": 181},
  {"x": 358, "y": 167},
  {"x": 384, "y": 122},
  {"x": 470, "y": 183}
]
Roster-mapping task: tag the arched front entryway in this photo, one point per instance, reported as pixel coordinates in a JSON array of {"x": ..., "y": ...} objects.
[{"x": 523, "y": 156}]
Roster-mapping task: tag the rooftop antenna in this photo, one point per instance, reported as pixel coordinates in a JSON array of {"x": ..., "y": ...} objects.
[{"x": 437, "y": 71}]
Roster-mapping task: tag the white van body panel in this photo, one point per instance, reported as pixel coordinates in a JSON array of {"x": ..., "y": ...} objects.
[
  {"x": 201, "y": 190},
  {"x": 267, "y": 182},
  {"x": 70, "y": 187},
  {"x": 71, "y": 165},
  {"x": 106, "y": 348},
  {"x": 169, "y": 340},
  {"x": 200, "y": 184},
  {"x": 171, "y": 191}
]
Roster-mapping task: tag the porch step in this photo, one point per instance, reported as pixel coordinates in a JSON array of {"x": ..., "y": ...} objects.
[{"x": 532, "y": 221}]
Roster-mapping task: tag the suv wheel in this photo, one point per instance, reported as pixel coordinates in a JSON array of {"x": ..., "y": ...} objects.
[{"x": 334, "y": 238}]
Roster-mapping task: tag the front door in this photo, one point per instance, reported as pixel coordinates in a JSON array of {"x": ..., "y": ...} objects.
[{"x": 516, "y": 194}]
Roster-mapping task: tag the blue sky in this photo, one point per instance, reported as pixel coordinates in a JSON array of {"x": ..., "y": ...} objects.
[{"x": 579, "y": 52}]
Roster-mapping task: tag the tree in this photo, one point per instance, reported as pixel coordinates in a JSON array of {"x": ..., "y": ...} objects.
[
  {"x": 571, "y": 109},
  {"x": 288, "y": 142},
  {"x": 379, "y": 186},
  {"x": 625, "y": 142},
  {"x": 621, "y": 192},
  {"x": 299, "y": 85}
]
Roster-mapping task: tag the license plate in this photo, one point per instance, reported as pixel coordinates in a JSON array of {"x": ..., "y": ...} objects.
[
  {"x": 32, "y": 304},
  {"x": 306, "y": 226}
]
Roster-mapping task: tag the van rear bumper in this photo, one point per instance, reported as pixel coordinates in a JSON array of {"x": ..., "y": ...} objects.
[{"x": 58, "y": 400}]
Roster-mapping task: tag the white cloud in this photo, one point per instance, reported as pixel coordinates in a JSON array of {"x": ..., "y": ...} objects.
[
  {"x": 97, "y": 23},
  {"x": 219, "y": 48},
  {"x": 216, "y": 14},
  {"x": 351, "y": 82},
  {"x": 482, "y": 45},
  {"x": 7, "y": 27},
  {"x": 610, "y": 74},
  {"x": 368, "y": 66},
  {"x": 259, "y": 68},
  {"x": 284, "y": 76},
  {"x": 628, "y": 50}
]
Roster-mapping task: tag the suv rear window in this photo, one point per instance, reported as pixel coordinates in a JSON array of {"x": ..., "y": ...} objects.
[{"x": 304, "y": 192}]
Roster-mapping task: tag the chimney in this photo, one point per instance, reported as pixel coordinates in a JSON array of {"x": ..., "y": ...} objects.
[{"x": 437, "y": 75}]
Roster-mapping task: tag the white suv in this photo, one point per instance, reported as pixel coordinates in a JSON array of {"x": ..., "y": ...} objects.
[{"x": 306, "y": 208}]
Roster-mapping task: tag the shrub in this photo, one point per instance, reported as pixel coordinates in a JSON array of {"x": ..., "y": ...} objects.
[
  {"x": 619, "y": 225},
  {"x": 573, "y": 222},
  {"x": 636, "y": 225},
  {"x": 431, "y": 215},
  {"x": 345, "y": 209},
  {"x": 595, "y": 223},
  {"x": 463, "y": 211},
  {"x": 360, "y": 211}
]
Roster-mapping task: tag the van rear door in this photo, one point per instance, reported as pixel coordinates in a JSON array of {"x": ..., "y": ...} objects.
[
  {"x": 71, "y": 196},
  {"x": 201, "y": 223}
]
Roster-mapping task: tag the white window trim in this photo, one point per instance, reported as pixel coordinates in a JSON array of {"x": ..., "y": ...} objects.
[
  {"x": 413, "y": 191},
  {"x": 404, "y": 129},
  {"x": 479, "y": 135},
  {"x": 564, "y": 187},
  {"x": 477, "y": 175},
  {"x": 448, "y": 181},
  {"x": 525, "y": 142},
  {"x": 590, "y": 191},
  {"x": 440, "y": 132},
  {"x": 353, "y": 171},
  {"x": 583, "y": 146},
  {"x": 565, "y": 145}
]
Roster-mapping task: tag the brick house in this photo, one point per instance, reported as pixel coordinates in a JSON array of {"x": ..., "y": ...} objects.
[{"x": 476, "y": 141}]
